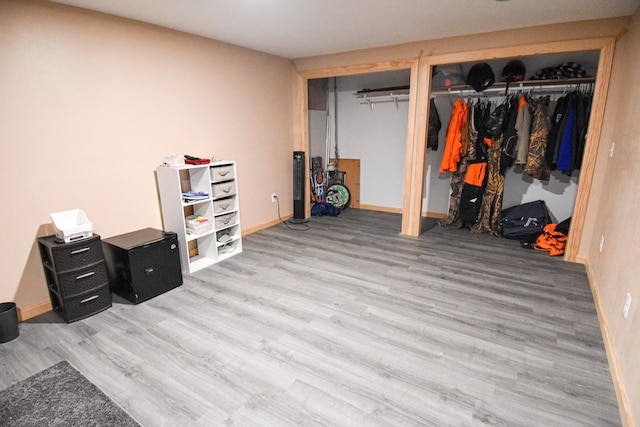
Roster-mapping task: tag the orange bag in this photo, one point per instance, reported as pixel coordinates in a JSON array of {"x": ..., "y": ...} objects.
[{"x": 551, "y": 241}]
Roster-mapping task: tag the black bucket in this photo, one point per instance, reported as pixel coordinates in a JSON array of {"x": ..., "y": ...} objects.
[{"x": 8, "y": 322}]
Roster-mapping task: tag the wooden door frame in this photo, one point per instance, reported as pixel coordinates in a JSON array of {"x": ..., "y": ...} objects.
[
  {"x": 412, "y": 206},
  {"x": 374, "y": 67}
]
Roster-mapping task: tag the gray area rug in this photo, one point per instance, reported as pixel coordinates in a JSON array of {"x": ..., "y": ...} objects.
[{"x": 59, "y": 396}]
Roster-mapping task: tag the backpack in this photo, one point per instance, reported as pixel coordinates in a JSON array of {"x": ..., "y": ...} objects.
[
  {"x": 321, "y": 209},
  {"x": 524, "y": 222}
]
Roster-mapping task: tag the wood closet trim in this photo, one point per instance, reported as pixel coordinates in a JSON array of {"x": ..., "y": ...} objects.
[
  {"x": 303, "y": 135},
  {"x": 412, "y": 205},
  {"x": 349, "y": 70}
]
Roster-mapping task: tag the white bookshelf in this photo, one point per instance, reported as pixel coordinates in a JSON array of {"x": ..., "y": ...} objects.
[{"x": 220, "y": 207}]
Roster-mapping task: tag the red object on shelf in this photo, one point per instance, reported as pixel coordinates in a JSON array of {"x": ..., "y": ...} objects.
[{"x": 197, "y": 161}]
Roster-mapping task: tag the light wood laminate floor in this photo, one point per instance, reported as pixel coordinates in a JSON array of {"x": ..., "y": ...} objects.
[{"x": 348, "y": 324}]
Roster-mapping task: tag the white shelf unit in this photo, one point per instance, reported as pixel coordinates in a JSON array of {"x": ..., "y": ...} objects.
[{"x": 220, "y": 207}]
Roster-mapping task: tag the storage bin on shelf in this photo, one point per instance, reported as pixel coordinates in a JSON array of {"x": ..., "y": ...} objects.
[
  {"x": 224, "y": 205},
  {"x": 226, "y": 220},
  {"x": 222, "y": 173},
  {"x": 223, "y": 189}
]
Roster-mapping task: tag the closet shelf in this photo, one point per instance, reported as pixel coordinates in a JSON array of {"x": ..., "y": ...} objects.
[
  {"x": 371, "y": 97},
  {"x": 382, "y": 93},
  {"x": 543, "y": 86}
]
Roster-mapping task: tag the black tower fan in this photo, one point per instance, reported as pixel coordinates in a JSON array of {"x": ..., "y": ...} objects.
[{"x": 298, "y": 188}]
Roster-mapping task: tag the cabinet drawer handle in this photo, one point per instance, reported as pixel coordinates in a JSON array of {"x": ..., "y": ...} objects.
[
  {"x": 84, "y": 276},
  {"x": 226, "y": 190},
  {"x": 79, "y": 251},
  {"x": 89, "y": 299},
  {"x": 223, "y": 173}
]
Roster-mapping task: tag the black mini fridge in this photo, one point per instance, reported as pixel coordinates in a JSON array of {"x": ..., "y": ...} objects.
[{"x": 142, "y": 264}]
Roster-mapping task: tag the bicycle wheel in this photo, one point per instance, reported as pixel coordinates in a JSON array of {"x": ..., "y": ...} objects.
[{"x": 338, "y": 195}]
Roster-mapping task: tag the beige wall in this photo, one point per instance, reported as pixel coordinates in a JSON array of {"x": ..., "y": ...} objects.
[
  {"x": 614, "y": 210},
  {"x": 91, "y": 104}
]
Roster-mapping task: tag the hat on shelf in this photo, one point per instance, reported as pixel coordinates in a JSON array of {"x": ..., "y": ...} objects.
[
  {"x": 480, "y": 76},
  {"x": 572, "y": 70},
  {"x": 447, "y": 75},
  {"x": 567, "y": 70},
  {"x": 514, "y": 71}
]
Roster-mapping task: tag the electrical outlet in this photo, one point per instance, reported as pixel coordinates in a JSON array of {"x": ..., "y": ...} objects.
[
  {"x": 274, "y": 197},
  {"x": 601, "y": 243},
  {"x": 627, "y": 305}
]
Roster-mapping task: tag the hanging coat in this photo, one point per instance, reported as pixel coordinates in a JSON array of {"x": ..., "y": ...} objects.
[
  {"x": 481, "y": 115},
  {"x": 434, "y": 126},
  {"x": 558, "y": 125},
  {"x": 453, "y": 147},
  {"x": 582, "y": 120},
  {"x": 523, "y": 127},
  {"x": 464, "y": 134},
  {"x": 489, "y": 214},
  {"x": 510, "y": 136},
  {"x": 540, "y": 126},
  {"x": 475, "y": 182},
  {"x": 565, "y": 150},
  {"x": 457, "y": 178}
]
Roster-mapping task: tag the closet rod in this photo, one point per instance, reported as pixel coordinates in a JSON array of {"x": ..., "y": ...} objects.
[
  {"x": 370, "y": 102},
  {"x": 395, "y": 100},
  {"x": 543, "y": 86}
]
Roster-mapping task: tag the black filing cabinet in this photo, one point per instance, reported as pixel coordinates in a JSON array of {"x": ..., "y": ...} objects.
[
  {"x": 76, "y": 276},
  {"x": 142, "y": 264}
]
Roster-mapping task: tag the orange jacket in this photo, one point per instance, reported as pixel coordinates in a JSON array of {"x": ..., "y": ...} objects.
[{"x": 453, "y": 146}]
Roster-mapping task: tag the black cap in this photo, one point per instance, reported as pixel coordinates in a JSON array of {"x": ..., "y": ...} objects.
[
  {"x": 481, "y": 76},
  {"x": 514, "y": 71}
]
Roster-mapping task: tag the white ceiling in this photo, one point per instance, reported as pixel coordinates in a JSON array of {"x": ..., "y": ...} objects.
[{"x": 299, "y": 28}]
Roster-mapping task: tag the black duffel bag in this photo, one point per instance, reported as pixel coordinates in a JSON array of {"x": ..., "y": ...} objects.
[{"x": 524, "y": 222}]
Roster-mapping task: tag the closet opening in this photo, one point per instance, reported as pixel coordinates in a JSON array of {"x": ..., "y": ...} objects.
[
  {"x": 567, "y": 80},
  {"x": 366, "y": 147},
  {"x": 358, "y": 133},
  {"x": 565, "y": 193}
]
